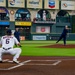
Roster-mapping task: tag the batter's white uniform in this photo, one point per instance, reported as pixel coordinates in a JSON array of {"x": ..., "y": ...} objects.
[{"x": 7, "y": 43}]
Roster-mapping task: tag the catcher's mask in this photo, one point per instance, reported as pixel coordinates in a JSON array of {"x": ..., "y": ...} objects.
[{"x": 9, "y": 32}]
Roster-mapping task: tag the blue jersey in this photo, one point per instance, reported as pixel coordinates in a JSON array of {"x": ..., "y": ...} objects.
[{"x": 65, "y": 31}]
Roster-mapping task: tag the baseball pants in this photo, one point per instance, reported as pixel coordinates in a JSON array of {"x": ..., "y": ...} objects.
[{"x": 14, "y": 51}]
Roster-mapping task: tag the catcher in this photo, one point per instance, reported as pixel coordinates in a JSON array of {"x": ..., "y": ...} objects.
[{"x": 7, "y": 42}]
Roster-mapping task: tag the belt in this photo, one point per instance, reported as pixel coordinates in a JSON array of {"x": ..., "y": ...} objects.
[{"x": 6, "y": 48}]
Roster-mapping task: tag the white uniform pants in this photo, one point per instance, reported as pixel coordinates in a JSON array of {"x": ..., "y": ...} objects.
[{"x": 15, "y": 51}]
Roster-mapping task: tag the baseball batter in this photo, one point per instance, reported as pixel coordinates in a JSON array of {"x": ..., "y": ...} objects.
[{"x": 7, "y": 42}]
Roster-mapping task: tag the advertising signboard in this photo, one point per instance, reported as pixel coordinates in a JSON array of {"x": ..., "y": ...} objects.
[
  {"x": 3, "y": 3},
  {"x": 68, "y": 5},
  {"x": 34, "y": 3},
  {"x": 51, "y": 4},
  {"x": 16, "y": 3}
]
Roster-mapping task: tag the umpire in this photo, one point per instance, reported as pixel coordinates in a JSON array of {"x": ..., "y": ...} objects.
[
  {"x": 17, "y": 34},
  {"x": 64, "y": 35}
]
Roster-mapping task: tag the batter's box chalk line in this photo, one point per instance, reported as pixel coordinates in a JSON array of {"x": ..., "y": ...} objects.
[
  {"x": 55, "y": 62},
  {"x": 13, "y": 67},
  {"x": 26, "y": 63}
]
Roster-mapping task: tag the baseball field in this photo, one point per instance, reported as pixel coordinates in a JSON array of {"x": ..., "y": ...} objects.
[
  {"x": 41, "y": 58},
  {"x": 48, "y": 48}
]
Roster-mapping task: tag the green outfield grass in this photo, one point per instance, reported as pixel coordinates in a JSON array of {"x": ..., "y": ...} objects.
[{"x": 30, "y": 48}]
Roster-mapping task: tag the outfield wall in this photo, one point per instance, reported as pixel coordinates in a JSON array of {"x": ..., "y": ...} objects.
[{"x": 70, "y": 36}]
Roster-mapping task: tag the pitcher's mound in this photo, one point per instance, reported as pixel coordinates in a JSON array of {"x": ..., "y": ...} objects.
[{"x": 59, "y": 46}]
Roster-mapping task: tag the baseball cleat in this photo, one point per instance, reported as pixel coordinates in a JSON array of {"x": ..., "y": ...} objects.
[{"x": 17, "y": 62}]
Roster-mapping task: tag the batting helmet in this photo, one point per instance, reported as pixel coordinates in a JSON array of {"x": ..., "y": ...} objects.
[{"x": 9, "y": 32}]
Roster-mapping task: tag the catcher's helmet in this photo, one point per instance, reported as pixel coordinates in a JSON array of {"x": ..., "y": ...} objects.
[{"x": 9, "y": 32}]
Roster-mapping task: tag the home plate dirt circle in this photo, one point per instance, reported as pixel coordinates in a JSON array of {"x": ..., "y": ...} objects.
[
  {"x": 46, "y": 66},
  {"x": 59, "y": 46}
]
